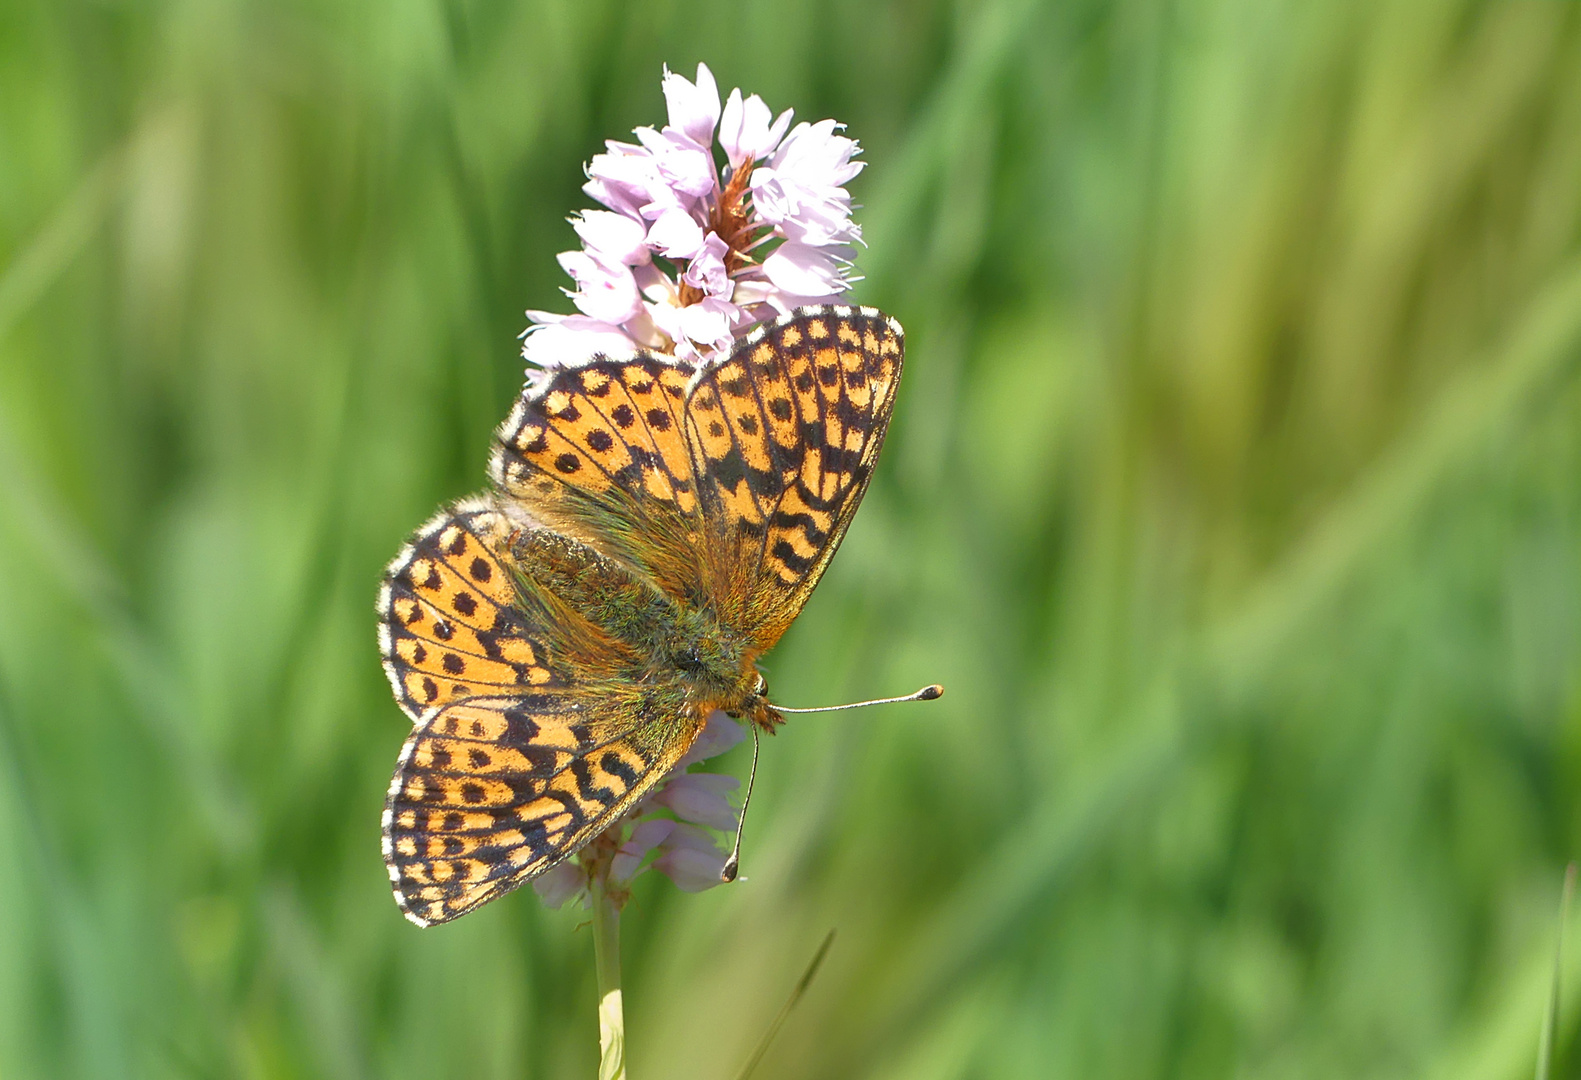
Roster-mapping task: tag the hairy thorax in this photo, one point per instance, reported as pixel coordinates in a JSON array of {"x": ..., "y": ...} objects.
[{"x": 664, "y": 641}]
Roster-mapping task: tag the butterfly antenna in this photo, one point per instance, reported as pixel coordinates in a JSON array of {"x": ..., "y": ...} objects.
[
  {"x": 733, "y": 864},
  {"x": 927, "y": 693}
]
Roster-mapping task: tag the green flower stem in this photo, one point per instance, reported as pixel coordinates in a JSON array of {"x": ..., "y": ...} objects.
[{"x": 606, "y": 957}]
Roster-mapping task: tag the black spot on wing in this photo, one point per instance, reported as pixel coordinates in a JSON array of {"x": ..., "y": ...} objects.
[
  {"x": 582, "y": 771},
  {"x": 805, "y": 522},
  {"x": 798, "y": 564},
  {"x": 613, "y": 764}
]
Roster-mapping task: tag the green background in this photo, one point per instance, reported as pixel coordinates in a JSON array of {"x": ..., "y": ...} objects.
[{"x": 1234, "y": 492}]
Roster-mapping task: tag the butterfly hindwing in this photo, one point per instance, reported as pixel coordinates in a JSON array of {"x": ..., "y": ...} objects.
[
  {"x": 554, "y": 733},
  {"x": 785, "y": 432},
  {"x": 491, "y": 791},
  {"x": 449, "y": 624}
]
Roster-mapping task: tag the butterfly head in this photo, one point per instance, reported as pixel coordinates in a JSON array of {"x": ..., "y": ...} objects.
[{"x": 755, "y": 705}]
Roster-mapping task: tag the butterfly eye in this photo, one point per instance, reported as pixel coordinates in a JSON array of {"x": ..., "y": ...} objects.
[{"x": 762, "y": 687}]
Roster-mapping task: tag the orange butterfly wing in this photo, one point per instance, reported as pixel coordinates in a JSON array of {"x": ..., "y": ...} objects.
[
  {"x": 785, "y": 432},
  {"x": 515, "y": 769},
  {"x": 449, "y": 627}
]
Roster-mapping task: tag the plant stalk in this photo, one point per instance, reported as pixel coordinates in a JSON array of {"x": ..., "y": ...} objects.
[{"x": 606, "y": 958}]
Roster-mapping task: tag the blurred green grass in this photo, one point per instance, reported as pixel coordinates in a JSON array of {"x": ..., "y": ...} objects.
[{"x": 1233, "y": 492}]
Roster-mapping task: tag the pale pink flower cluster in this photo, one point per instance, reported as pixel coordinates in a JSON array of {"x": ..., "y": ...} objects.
[
  {"x": 690, "y": 254},
  {"x": 673, "y": 821}
]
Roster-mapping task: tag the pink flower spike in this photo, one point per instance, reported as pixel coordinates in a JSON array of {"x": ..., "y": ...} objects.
[
  {"x": 804, "y": 270},
  {"x": 668, "y": 266},
  {"x": 616, "y": 238},
  {"x": 693, "y": 107},
  {"x": 676, "y": 235},
  {"x": 554, "y": 887},
  {"x": 700, "y": 799}
]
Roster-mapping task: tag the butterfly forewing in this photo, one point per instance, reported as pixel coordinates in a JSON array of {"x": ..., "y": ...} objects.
[
  {"x": 785, "y": 433},
  {"x": 599, "y": 452}
]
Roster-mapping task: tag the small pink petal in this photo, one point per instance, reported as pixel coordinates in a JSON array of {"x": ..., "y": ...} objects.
[
  {"x": 708, "y": 321},
  {"x": 693, "y": 107},
  {"x": 720, "y": 734},
  {"x": 700, "y": 799},
  {"x": 685, "y": 168},
  {"x": 706, "y": 270},
  {"x": 777, "y": 132},
  {"x": 625, "y": 178},
  {"x": 691, "y": 859},
  {"x": 644, "y": 838},
  {"x": 559, "y": 884},
  {"x": 816, "y": 156},
  {"x": 570, "y": 340},
  {"x": 654, "y": 283},
  {"x": 616, "y": 238},
  {"x": 692, "y": 871},
  {"x": 648, "y": 835},
  {"x": 745, "y": 132},
  {"x": 605, "y": 291},
  {"x": 676, "y": 235},
  {"x": 804, "y": 270},
  {"x": 667, "y": 318}
]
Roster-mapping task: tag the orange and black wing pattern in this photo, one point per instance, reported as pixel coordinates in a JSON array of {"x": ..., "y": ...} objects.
[
  {"x": 785, "y": 433},
  {"x": 599, "y": 453},
  {"x": 449, "y": 624},
  {"x": 532, "y": 733},
  {"x": 492, "y": 791}
]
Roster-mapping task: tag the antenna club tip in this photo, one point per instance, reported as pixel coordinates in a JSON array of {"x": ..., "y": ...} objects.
[
  {"x": 930, "y": 693},
  {"x": 731, "y": 869}
]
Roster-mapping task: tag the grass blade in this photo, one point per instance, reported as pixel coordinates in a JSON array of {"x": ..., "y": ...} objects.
[
  {"x": 785, "y": 1009},
  {"x": 1545, "y": 1046}
]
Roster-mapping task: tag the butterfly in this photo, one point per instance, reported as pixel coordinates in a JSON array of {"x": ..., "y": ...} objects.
[{"x": 651, "y": 530}]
